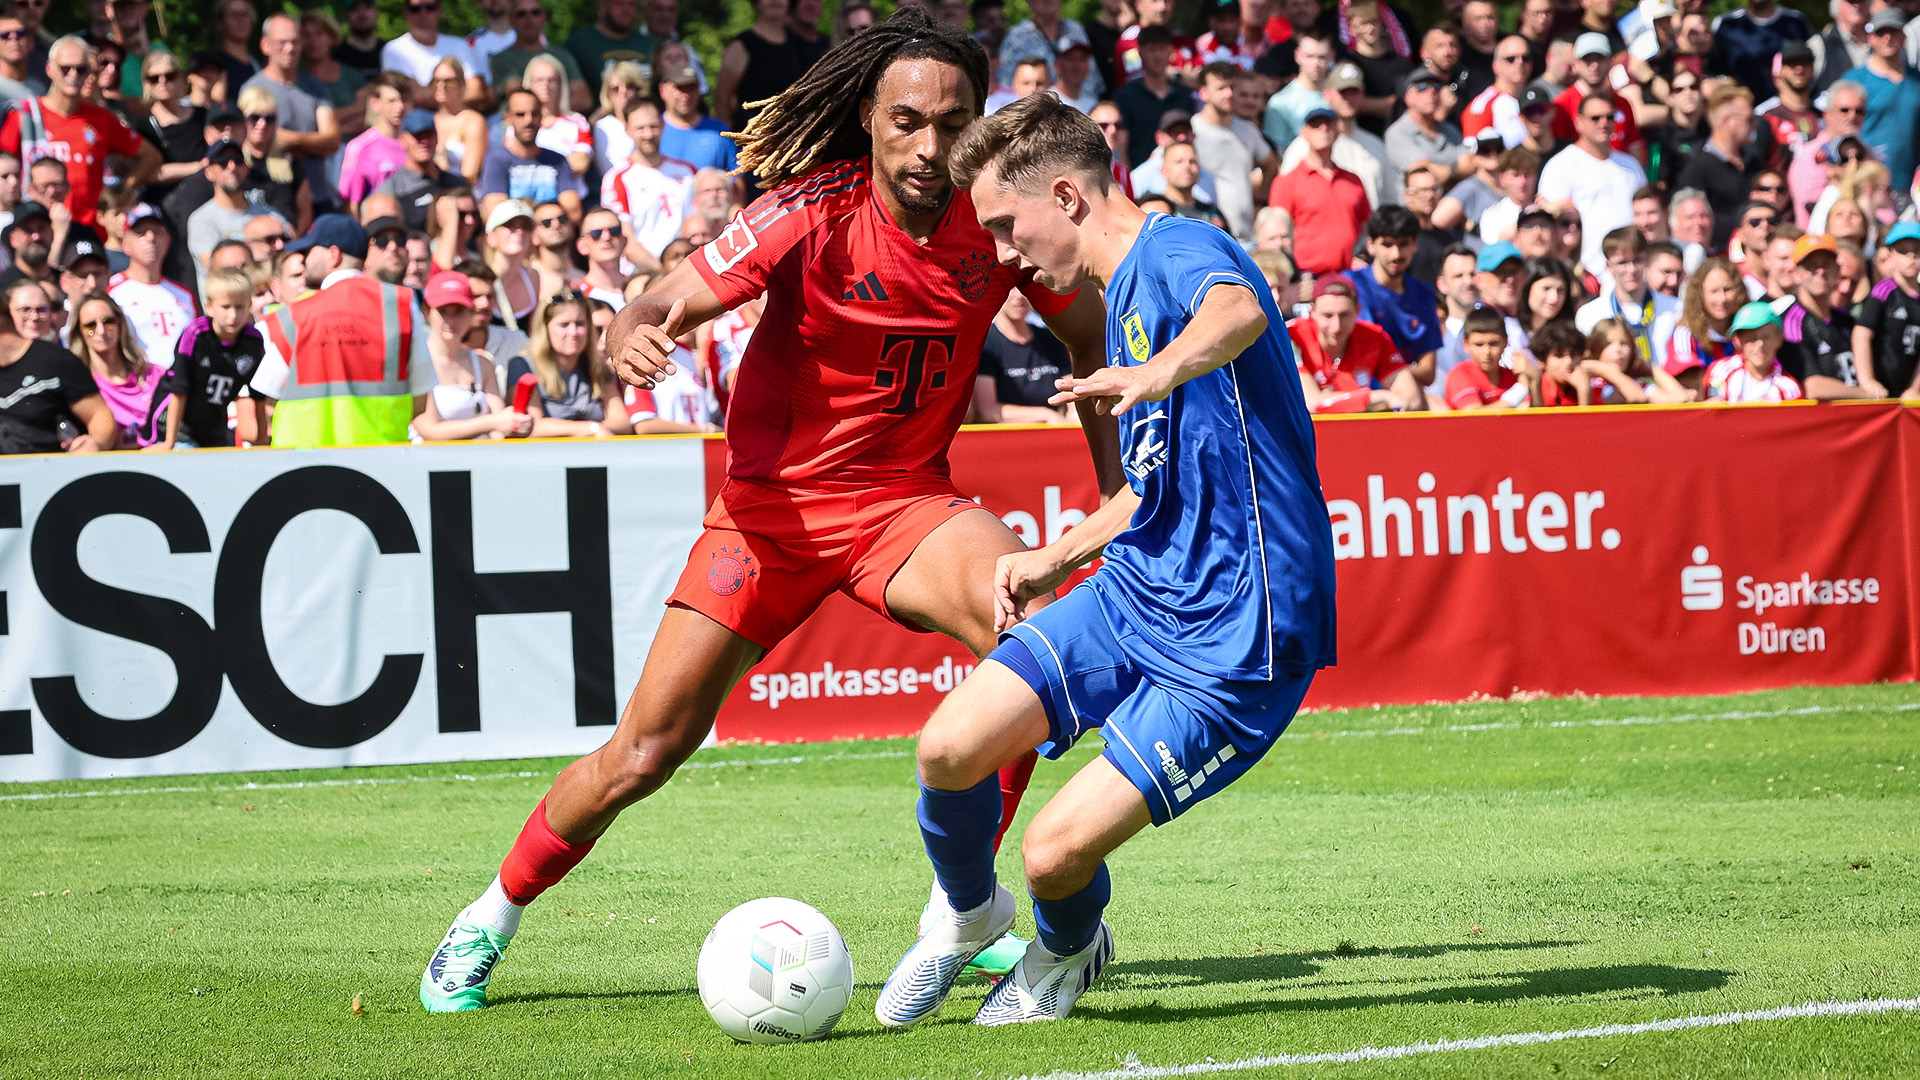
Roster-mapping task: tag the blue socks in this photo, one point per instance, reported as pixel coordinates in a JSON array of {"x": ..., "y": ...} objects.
[
  {"x": 1067, "y": 926},
  {"x": 958, "y": 828}
]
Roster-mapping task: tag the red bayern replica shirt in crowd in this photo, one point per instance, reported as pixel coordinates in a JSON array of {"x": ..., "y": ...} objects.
[
  {"x": 1468, "y": 385},
  {"x": 863, "y": 364},
  {"x": 1626, "y": 131},
  {"x": 1370, "y": 361},
  {"x": 83, "y": 140}
]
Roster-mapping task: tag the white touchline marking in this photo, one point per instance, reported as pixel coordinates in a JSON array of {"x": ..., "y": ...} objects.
[
  {"x": 1134, "y": 1071},
  {"x": 382, "y": 781},
  {"x": 1622, "y": 721},
  {"x": 802, "y": 759}
]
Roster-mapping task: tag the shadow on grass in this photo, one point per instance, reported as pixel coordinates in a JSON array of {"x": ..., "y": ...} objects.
[
  {"x": 1272, "y": 966},
  {"x": 1658, "y": 980}
]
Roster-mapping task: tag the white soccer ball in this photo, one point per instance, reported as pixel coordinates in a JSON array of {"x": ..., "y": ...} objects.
[{"x": 775, "y": 970}]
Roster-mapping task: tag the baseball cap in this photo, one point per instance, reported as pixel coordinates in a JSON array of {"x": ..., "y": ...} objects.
[
  {"x": 1314, "y": 115},
  {"x": 1535, "y": 98},
  {"x": 1345, "y": 77},
  {"x": 1071, "y": 34},
  {"x": 1813, "y": 242},
  {"x": 677, "y": 75},
  {"x": 1333, "y": 285},
  {"x": 1173, "y": 118},
  {"x": 417, "y": 122},
  {"x": 1422, "y": 76},
  {"x": 1494, "y": 256},
  {"x": 1487, "y": 142},
  {"x": 1223, "y": 7},
  {"x": 1592, "y": 45},
  {"x": 1906, "y": 230},
  {"x": 507, "y": 211},
  {"x": 1755, "y": 315},
  {"x": 82, "y": 243},
  {"x": 1886, "y": 19},
  {"x": 144, "y": 212},
  {"x": 334, "y": 230},
  {"x": 388, "y": 223},
  {"x": 1795, "y": 52},
  {"x": 448, "y": 288},
  {"x": 30, "y": 209},
  {"x": 225, "y": 148},
  {"x": 224, "y": 115},
  {"x": 1656, "y": 9}
]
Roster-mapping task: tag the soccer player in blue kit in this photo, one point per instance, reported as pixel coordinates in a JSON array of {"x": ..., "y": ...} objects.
[{"x": 1194, "y": 644}]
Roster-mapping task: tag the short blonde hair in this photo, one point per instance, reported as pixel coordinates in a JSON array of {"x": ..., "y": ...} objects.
[
  {"x": 232, "y": 283},
  {"x": 258, "y": 99}
]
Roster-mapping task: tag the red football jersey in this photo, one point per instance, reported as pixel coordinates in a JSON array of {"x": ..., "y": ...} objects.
[
  {"x": 82, "y": 141},
  {"x": 863, "y": 364},
  {"x": 1626, "y": 132}
]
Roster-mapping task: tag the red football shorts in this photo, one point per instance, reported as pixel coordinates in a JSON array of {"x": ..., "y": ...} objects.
[{"x": 770, "y": 555}]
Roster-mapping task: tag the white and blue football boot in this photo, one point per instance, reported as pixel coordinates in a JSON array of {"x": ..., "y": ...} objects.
[
  {"x": 1043, "y": 986},
  {"x": 925, "y": 975}
]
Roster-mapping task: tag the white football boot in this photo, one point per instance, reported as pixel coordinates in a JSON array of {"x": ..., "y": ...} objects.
[
  {"x": 925, "y": 975},
  {"x": 1043, "y": 986}
]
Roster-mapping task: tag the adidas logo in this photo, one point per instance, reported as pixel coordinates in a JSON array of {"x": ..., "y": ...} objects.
[{"x": 867, "y": 288}]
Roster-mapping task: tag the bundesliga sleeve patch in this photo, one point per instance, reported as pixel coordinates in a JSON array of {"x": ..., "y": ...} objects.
[{"x": 732, "y": 245}]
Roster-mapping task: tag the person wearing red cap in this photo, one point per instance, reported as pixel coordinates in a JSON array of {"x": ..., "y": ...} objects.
[
  {"x": 466, "y": 402},
  {"x": 1347, "y": 365}
]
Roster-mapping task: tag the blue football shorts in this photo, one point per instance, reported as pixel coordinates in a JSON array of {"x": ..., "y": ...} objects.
[{"x": 1178, "y": 742}]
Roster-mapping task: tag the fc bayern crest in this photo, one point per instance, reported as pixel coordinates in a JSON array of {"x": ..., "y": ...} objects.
[
  {"x": 729, "y": 571},
  {"x": 971, "y": 275}
]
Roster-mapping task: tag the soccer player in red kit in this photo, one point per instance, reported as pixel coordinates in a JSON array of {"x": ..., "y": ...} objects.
[{"x": 880, "y": 287}]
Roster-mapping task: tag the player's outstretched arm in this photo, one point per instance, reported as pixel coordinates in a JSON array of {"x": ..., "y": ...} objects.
[
  {"x": 640, "y": 342},
  {"x": 1228, "y": 322},
  {"x": 1082, "y": 328},
  {"x": 1023, "y": 575}
]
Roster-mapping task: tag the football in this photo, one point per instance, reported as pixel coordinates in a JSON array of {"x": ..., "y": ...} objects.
[{"x": 775, "y": 970}]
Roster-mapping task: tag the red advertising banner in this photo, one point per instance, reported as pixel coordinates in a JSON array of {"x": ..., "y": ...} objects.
[{"x": 1644, "y": 551}]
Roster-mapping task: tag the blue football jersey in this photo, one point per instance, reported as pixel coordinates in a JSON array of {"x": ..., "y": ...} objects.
[{"x": 1226, "y": 570}]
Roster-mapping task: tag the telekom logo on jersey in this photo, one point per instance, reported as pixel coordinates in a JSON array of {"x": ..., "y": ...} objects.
[{"x": 1544, "y": 521}]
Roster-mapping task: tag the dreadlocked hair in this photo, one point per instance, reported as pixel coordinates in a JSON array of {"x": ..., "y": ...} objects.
[{"x": 817, "y": 119}]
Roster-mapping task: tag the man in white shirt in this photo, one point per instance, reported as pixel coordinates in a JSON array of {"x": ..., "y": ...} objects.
[
  {"x": 418, "y": 51},
  {"x": 1649, "y": 316},
  {"x": 157, "y": 310},
  {"x": 651, "y": 192},
  {"x": 496, "y": 33},
  {"x": 1593, "y": 179},
  {"x": 1232, "y": 149}
]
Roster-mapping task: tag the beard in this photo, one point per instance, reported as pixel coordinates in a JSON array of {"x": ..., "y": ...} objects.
[
  {"x": 32, "y": 254},
  {"x": 915, "y": 201}
]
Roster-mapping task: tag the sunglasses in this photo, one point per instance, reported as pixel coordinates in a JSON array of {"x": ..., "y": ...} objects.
[
  {"x": 1770, "y": 189},
  {"x": 12, "y": 35},
  {"x": 422, "y": 9},
  {"x": 1511, "y": 59},
  {"x": 156, "y": 76},
  {"x": 387, "y": 240},
  {"x": 72, "y": 69},
  {"x": 614, "y": 231},
  {"x": 530, "y": 13},
  {"x": 549, "y": 222},
  {"x": 1605, "y": 118},
  {"x": 1756, "y": 222},
  {"x": 96, "y": 325},
  {"x": 253, "y": 119},
  {"x": 1856, "y": 110},
  {"x": 1681, "y": 88}
]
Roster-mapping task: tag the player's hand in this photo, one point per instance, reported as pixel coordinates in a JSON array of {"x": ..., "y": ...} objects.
[
  {"x": 643, "y": 355},
  {"x": 1114, "y": 390},
  {"x": 1020, "y": 577}
]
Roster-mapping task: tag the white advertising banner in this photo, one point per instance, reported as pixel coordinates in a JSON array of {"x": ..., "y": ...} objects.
[{"x": 240, "y": 610}]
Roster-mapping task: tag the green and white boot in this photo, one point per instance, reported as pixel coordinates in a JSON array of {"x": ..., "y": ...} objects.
[
  {"x": 996, "y": 960},
  {"x": 456, "y": 978}
]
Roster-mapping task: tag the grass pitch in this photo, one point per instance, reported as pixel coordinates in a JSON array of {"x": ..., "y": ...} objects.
[{"x": 1384, "y": 877}]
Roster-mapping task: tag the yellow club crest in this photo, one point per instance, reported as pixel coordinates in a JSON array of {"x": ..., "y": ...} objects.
[{"x": 1137, "y": 343}]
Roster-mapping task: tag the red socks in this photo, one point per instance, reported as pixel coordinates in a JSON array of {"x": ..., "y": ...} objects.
[
  {"x": 540, "y": 858},
  {"x": 1013, "y": 784}
]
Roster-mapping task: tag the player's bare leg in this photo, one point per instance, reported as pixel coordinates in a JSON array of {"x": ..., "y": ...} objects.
[
  {"x": 693, "y": 664},
  {"x": 947, "y": 585}
]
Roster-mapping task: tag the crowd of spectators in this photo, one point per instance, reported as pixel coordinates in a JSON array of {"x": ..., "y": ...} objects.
[{"x": 1563, "y": 202}]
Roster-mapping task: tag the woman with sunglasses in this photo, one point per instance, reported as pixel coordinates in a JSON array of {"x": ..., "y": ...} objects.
[
  {"x": 578, "y": 397},
  {"x": 523, "y": 282},
  {"x": 72, "y": 418},
  {"x": 466, "y": 403},
  {"x": 281, "y": 181},
  {"x": 1669, "y": 145},
  {"x": 462, "y": 130},
  {"x": 128, "y": 384},
  {"x": 623, "y": 86},
  {"x": 176, "y": 125}
]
